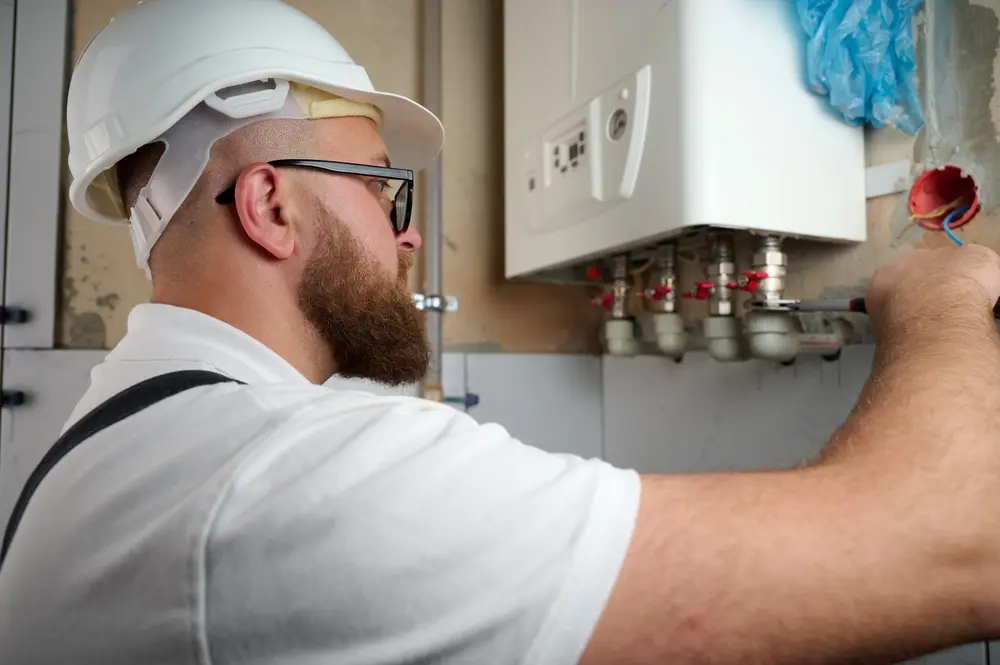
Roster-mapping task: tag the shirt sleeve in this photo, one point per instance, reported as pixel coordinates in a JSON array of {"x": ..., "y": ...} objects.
[{"x": 408, "y": 532}]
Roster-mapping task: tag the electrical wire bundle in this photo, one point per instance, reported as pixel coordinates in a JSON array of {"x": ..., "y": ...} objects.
[{"x": 941, "y": 219}]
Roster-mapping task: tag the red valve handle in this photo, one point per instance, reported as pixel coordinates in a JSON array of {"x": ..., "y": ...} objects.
[
  {"x": 604, "y": 301},
  {"x": 702, "y": 291},
  {"x": 658, "y": 292},
  {"x": 751, "y": 280}
]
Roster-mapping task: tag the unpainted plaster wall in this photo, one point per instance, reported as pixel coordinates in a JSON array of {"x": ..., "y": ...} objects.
[{"x": 100, "y": 282}]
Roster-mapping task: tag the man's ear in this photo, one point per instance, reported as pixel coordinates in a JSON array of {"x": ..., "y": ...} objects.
[{"x": 258, "y": 202}]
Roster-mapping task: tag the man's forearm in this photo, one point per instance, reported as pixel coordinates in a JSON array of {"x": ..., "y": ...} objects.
[
  {"x": 784, "y": 568},
  {"x": 931, "y": 381},
  {"x": 924, "y": 441},
  {"x": 922, "y": 454}
]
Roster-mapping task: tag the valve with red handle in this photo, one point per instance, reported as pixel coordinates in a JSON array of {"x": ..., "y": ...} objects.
[
  {"x": 702, "y": 291},
  {"x": 605, "y": 300},
  {"x": 750, "y": 281},
  {"x": 657, "y": 292}
]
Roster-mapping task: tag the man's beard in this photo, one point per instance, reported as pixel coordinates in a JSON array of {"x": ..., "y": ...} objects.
[{"x": 369, "y": 321}]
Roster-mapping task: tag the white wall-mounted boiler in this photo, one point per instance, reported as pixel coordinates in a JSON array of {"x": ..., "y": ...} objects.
[{"x": 630, "y": 121}]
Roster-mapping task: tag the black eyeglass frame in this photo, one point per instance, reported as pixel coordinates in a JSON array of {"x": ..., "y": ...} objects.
[{"x": 350, "y": 168}]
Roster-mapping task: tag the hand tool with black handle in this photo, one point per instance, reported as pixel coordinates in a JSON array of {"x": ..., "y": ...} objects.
[{"x": 841, "y": 305}]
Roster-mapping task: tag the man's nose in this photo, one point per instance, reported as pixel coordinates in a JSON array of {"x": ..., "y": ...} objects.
[{"x": 409, "y": 240}]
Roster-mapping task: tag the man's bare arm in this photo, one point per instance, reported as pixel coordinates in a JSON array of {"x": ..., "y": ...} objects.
[{"x": 886, "y": 548}]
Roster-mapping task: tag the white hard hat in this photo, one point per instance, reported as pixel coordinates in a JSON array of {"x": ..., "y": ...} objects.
[{"x": 187, "y": 73}]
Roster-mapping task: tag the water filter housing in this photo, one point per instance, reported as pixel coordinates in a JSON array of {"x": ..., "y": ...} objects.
[{"x": 628, "y": 122}]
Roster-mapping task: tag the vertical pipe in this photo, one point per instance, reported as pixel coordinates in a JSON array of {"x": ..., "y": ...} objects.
[
  {"x": 722, "y": 273},
  {"x": 433, "y": 99},
  {"x": 663, "y": 286},
  {"x": 770, "y": 260},
  {"x": 938, "y": 49},
  {"x": 620, "y": 288}
]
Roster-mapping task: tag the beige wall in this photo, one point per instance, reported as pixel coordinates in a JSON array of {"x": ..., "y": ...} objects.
[{"x": 100, "y": 281}]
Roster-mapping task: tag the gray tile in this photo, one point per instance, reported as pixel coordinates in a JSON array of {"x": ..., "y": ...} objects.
[
  {"x": 970, "y": 654},
  {"x": 552, "y": 402},
  {"x": 702, "y": 415}
]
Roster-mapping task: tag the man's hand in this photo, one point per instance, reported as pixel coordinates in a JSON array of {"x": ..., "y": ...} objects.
[{"x": 919, "y": 284}]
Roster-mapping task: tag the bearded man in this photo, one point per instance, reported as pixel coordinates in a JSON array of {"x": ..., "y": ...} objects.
[{"x": 212, "y": 502}]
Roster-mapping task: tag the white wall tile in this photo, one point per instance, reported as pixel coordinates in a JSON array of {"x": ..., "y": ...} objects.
[
  {"x": 552, "y": 402},
  {"x": 698, "y": 415}
]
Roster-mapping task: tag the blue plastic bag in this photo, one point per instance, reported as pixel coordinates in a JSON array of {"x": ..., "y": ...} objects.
[{"x": 860, "y": 54}]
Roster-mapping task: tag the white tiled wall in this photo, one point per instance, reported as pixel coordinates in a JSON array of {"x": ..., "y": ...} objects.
[
  {"x": 548, "y": 401},
  {"x": 703, "y": 415},
  {"x": 658, "y": 416}
]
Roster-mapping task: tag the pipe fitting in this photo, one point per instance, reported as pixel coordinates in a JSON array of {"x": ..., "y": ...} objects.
[
  {"x": 722, "y": 338},
  {"x": 721, "y": 272},
  {"x": 671, "y": 337},
  {"x": 619, "y": 287},
  {"x": 619, "y": 337},
  {"x": 772, "y": 335},
  {"x": 771, "y": 262},
  {"x": 433, "y": 197},
  {"x": 829, "y": 343},
  {"x": 661, "y": 296}
]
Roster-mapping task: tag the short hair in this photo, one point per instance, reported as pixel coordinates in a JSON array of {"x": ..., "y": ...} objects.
[{"x": 261, "y": 141}]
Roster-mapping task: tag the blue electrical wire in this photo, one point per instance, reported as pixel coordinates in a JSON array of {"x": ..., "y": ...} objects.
[{"x": 948, "y": 220}]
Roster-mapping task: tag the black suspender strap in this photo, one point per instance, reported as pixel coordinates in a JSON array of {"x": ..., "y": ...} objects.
[{"x": 118, "y": 407}]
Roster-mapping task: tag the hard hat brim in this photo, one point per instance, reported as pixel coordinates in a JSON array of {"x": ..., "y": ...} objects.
[{"x": 413, "y": 136}]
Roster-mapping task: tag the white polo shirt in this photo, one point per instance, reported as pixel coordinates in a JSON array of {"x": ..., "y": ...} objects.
[{"x": 283, "y": 523}]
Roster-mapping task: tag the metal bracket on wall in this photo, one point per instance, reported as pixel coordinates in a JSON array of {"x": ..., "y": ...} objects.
[
  {"x": 9, "y": 398},
  {"x": 435, "y": 303},
  {"x": 468, "y": 400},
  {"x": 13, "y": 315}
]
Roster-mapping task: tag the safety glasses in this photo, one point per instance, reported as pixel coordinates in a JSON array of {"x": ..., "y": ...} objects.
[{"x": 397, "y": 185}]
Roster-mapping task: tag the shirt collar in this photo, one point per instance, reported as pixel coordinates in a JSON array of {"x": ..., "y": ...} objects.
[{"x": 164, "y": 334}]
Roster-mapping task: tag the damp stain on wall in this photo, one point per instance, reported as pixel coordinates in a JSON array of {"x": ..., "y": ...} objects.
[{"x": 81, "y": 330}]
